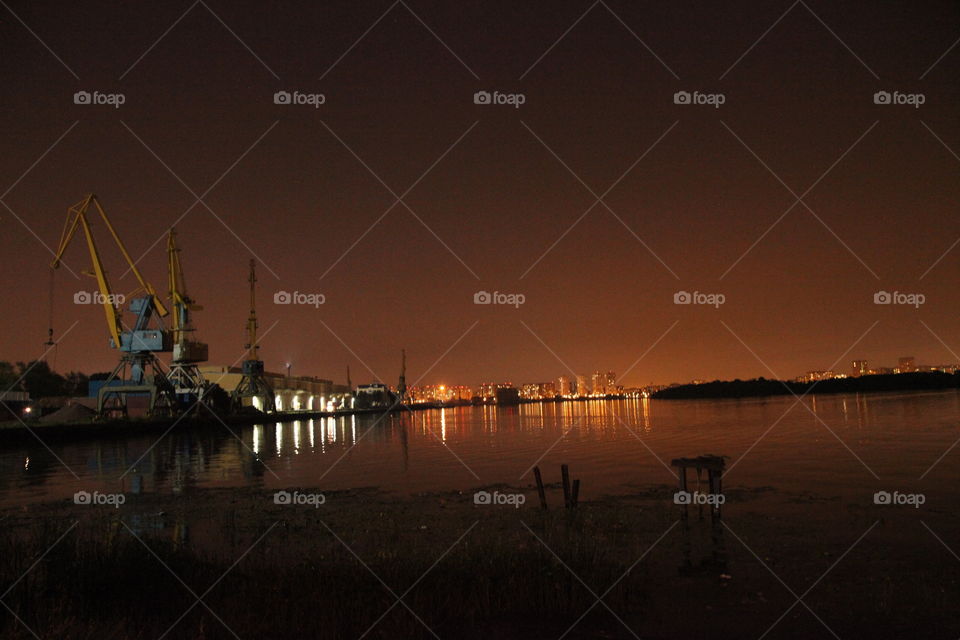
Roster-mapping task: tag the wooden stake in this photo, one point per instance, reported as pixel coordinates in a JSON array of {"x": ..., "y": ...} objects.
[{"x": 540, "y": 491}]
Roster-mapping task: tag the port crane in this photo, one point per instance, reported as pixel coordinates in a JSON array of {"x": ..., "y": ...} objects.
[
  {"x": 139, "y": 371},
  {"x": 190, "y": 385},
  {"x": 253, "y": 384}
]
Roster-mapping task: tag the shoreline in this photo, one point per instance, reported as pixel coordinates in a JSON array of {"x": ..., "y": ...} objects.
[{"x": 19, "y": 429}]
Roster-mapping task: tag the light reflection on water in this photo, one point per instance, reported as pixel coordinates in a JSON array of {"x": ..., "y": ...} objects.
[{"x": 612, "y": 446}]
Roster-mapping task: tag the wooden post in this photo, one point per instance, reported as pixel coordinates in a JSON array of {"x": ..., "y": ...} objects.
[
  {"x": 540, "y": 491},
  {"x": 565, "y": 474},
  {"x": 683, "y": 487}
]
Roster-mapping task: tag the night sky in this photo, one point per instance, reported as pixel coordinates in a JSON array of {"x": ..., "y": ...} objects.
[{"x": 694, "y": 198}]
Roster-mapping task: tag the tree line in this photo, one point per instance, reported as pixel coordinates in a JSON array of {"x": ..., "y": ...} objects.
[{"x": 40, "y": 381}]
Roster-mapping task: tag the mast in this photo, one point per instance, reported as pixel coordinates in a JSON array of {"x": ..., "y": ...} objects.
[
  {"x": 402, "y": 385},
  {"x": 252, "y": 320}
]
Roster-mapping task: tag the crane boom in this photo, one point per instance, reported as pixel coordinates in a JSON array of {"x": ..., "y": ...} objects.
[
  {"x": 77, "y": 218},
  {"x": 252, "y": 319},
  {"x": 184, "y": 348}
]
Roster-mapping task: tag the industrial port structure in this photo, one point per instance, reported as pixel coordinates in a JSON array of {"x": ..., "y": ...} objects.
[{"x": 185, "y": 384}]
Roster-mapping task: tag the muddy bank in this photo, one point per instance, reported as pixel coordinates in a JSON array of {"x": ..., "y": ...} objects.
[{"x": 331, "y": 568}]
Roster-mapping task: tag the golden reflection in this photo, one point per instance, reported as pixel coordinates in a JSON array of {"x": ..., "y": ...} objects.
[
  {"x": 296, "y": 437},
  {"x": 279, "y": 438},
  {"x": 257, "y": 438},
  {"x": 311, "y": 426},
  {"x": 331, "y": 429}
]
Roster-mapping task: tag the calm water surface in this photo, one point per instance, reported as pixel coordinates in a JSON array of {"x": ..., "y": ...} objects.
[{"x": 834, "y": 445}]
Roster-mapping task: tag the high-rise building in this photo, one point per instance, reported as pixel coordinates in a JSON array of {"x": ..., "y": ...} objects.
[
  {"x": 530, "y": 390},
  {"x": 859, "y": 368},
  {"x": 907, "y": 364},
  {"x": 598, "y": 384},
  {"x": 563, "y": 384},
  {"x": 582, "y": 386}
]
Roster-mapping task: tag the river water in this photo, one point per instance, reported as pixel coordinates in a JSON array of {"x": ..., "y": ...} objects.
[{"x": 839, "y": 445}]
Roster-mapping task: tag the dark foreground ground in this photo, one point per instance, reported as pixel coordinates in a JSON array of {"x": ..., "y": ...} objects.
[{"x": 228, "y": 563}]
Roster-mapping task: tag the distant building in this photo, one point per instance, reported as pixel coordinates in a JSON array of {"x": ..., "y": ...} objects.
[
  {"x": 814, "y": 376},
  {"x": 375, "y": 396},
  {"x": 582, "y": 386},
  {"x": 859, "y": 368},
  {"x": 507, "y": 395},
  {"x": 564, "y": 386},
  {"x": 907, "y": 364},
  {"x": 598, "y": 383},
  {"x": 538, "y": 390},
  {"x": 610, "y": 384}
]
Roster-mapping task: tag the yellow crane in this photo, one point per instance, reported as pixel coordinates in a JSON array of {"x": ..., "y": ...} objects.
[
  {"x": 185, "y": 376},
  {"x": 253, "y": 385},
  {"x": 139, "y": 370}
]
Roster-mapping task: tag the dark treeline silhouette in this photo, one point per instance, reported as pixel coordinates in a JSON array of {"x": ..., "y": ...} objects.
[
  {"x": 921, "y": 380},
  {"x": 40, "y": 381}
]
